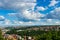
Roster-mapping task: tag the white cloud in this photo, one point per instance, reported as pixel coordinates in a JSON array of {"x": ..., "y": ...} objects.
[
  {"x": 17, "y": 4},
  {"x": 2, "y": 18},
  {"x": 54, "y": 14},
  {"x": 19, "y": 1},
  {"x": 57, "y": 9},
  {"x": 7, "y": 22},
  {"x": 49, "y": 20},
  {"x": 24, "y": 23},
  {"x": 12, "y": 14},
  {"x": 23, "y": 6},
  {"x": 57, "y": 22},
  {"x": 52, "y": 22},
  {"x": 53, "y": 3},
  {"x": 27, "y": 15},
  {"x": 30, "y": 22},
  {"x": 20, "y": 22},
  {"x": 32, "y": 15},
  {"x": 40, "y": 8},
  {"x": 4, "y": 21},
  {"x": 25, "y": 9}
]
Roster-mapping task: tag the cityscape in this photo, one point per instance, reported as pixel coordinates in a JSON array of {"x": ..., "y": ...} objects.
[
  {"x": 45, "y": 32},
  {"x": 29, "y": 19}
]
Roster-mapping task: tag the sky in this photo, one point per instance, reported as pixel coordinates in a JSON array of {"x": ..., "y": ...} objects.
[{"x": 29, "y": 12}]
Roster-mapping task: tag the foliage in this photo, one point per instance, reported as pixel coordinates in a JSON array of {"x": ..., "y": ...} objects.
[
  {"x": 1, "y": 37},
  {"x": 38, "y": 34}
]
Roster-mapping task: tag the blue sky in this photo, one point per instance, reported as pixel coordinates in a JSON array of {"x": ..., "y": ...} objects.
[{"x": 30, "y": 12}]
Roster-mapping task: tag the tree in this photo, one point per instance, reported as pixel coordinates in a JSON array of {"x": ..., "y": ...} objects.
[{"x": 1, "y": 37}]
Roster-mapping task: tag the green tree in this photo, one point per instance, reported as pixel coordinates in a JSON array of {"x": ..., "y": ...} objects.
[{"x": 1, "y": 37}]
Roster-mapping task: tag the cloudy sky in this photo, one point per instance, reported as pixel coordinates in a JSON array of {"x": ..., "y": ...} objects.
[{"x": 29, "y": 12}]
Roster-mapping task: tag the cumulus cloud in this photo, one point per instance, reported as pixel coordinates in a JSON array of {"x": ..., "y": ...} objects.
[
  {"x": 2, "y": 18},
  {"x": 55, "y": 14},
  {"x": 25, "y": 9},
  {"x": 17, "y": 4},
  {"x": 57, "y": 22},
  {"x": 49, "y": 20},
  {"x": 32, "y": 15},
  {"x": 4, "y": 21},
  {"x": 7, "y": 22},
  {"x": 25, "y": 12},
  {"x": 40, "y": 8},
  {"x": 27, "y": 15},
  {"x": 24, "y": 23},
  {"x": 53, "y": 3}
]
